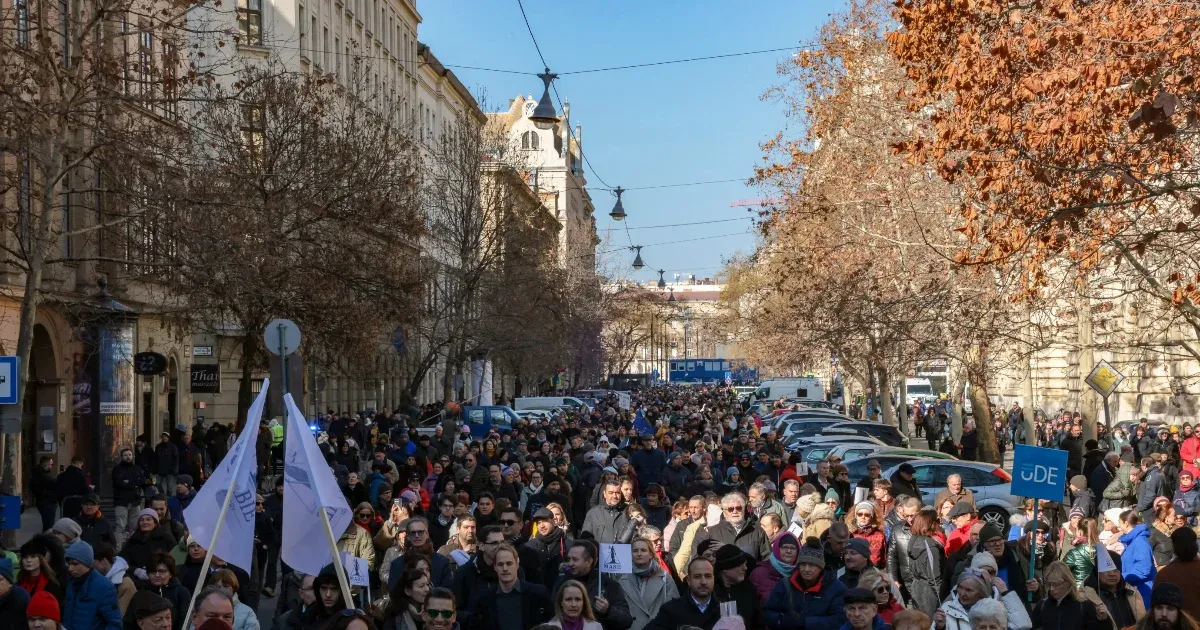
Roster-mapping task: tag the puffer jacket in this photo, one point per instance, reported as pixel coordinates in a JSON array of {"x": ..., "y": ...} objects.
[
  {"x": 1121, "y": 492},
  {"x": 792, "y": 607},
  {"x": 605, "y": 522},
  {"x": 91, "y": 604},
  {"x": 877, "y": 541},
  {"x": 1082, "y": 560},
  {"x": 1137, "y": 561},
  {"x": 957, "y": 619},
  {"x": 818, "y": 522}
]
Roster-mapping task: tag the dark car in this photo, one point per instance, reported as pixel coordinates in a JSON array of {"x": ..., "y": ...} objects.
[{"x": 889, "y": 434}]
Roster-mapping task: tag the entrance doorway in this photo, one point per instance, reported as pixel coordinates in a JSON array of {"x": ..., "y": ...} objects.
[{"x": 40, "y": 405}]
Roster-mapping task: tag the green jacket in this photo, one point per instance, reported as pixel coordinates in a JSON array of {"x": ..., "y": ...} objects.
[
  {"x": 1082, "y": 560},
  {"x": 1121, "y": 489}
]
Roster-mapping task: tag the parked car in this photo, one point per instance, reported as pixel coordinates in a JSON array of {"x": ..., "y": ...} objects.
[
  {"x": 535, "y": 415},
  {"x": 991, "y": 485},
  {"x": 915, "y": 453},
  {"x": 804, "y": 444},
  {"x": 886, "y": 432},
  {"x": 843, "y": 450},
  {"x": 803, "y": 428}
]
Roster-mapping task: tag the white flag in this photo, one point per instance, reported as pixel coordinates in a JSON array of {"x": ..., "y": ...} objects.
[
  {"x": 616, "y": 558},
  {"x": 235, "y": 545},
  {"x": 308, "y": 486},
  {"x": 358, "y": 571},
  {"x": 1104, "y": 562}
]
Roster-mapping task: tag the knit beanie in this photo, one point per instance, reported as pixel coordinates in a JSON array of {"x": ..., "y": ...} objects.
[
  {"x": 146, "y": 603},
  {"x": 859, "y": 546},
  {"x": 984, "y": 561},
  {"x": 989, "y": 532},
  {"x": 811, "y": 555},
  {"x": 6, "y": 570},
  {"x": 43, "y": 605},
  {"x": 147, "y": 512},
  {"x": 82, "y": 553},
  {"x": 67, "y": 527}
]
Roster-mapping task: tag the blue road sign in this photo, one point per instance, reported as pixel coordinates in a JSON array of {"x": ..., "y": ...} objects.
[
  {"x": 10, "y": 376},
  {"x": 10, "y": 512},
  {"x": 1039, "y": 473}
]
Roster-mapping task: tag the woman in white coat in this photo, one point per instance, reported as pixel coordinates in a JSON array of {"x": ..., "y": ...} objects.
[
  {"x": 648, "y": 587},
  {"x": 973, "y": 586}
]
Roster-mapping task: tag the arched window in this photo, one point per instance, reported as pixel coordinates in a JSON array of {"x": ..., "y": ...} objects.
[{"x": 529, "y": 140}]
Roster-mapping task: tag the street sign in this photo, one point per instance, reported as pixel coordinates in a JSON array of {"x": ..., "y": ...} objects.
[
  {"x": 149, "y": 363},
  {"x": 1039, "y": 473},
  {"x": 282, "y": 337},
  {"x": 202, "y": 351},
  {"x": 729, "y": 378},
  {"x": 10, "y": 376},
  {"x": 1104, "y": 378},
  {"x": 10, "y": 512}
]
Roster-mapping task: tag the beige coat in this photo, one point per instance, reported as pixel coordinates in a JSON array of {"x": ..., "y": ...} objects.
[{"x": 357, "y": 541}]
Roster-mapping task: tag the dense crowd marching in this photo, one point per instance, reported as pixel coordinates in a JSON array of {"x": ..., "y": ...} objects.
[{"x": 725, "y": 528}]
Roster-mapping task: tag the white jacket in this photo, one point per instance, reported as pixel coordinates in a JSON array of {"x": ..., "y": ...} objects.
[{"x": 957, "y": 619}]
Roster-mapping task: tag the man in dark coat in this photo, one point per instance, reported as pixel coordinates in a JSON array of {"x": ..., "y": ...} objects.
[
  {"x": 71, "y": 486},
  {"x": 607, "y": 520},
  {"x": 1073, "y": 444},
  {"x": 903, "y": 482},
  {"x": 128, "y": 480},
  {"x": 493, "y": 607},
  {"x": 166, "y": 464},
  {"x": 43, "y": 486},
  {"x": 1104, "y": 474},
  {"x": 612, "y": 609},
  {"x": 697, "y": 606},
  {"x": 738, "y": 528},
  {"x": 95, "y": 527},
  {"x": 732, "y": 568}
]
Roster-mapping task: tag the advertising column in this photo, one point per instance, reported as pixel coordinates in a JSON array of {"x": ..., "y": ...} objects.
[{"x": 115, "y": 393}]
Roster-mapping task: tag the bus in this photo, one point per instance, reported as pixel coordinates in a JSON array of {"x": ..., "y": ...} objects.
[{"x": 710, "y": 371}]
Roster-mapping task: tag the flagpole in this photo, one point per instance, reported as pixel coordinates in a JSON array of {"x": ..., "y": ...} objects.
[
  {"x": 337, "y": 558},
  {"x": 208, "y": 552}
]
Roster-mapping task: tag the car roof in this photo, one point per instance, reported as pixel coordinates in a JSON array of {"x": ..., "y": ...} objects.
[
  {"x": 946, "y": 462},
  {"x": 838, "y": 439},
  {"x": 859, "y": 423},
  {"x": 919, "y": 452}
]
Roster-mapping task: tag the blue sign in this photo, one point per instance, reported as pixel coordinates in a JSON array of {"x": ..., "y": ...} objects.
[
  {"x": 1039, "y": 473},
  {"x": 10, "y": 512},
  {"x": 10, "y": 378}
]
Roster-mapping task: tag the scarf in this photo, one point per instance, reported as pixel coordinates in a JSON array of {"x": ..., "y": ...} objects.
[
  {"x": 572, "y": 624},
  {"x": 646, "y": 571},
  {"x": 33, "y": 583},
  {"x": 556, "y": 539},
  {"x": 784, "y": 570},
  {"x": 661, "y": 561},
  {"x": 1186, "y": 487}
]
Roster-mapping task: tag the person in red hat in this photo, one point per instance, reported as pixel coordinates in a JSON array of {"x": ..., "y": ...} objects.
[{"x": 42, "y": 612}]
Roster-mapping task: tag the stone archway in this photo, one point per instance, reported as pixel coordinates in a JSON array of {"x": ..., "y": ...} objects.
[{"x": 40, "y": 400}]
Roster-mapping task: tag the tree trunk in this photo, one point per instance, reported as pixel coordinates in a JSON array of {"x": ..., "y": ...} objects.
[
  {"x": 885, "y": 398},
  {"x": 448, "y": 379},
  {"x": 872, "y": 398},
  {"x": 245, "y": 395},
  {"x": 1087, "y": 360},
  {"x": 989, "y": 451}
]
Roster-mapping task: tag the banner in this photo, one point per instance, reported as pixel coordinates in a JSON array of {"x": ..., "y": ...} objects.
[
  {"x": 358, "y": 571},
  {"x": 640, "y": 426},
  {"x": 235, "y": 545},
  {"x": 308, "y": 487}
]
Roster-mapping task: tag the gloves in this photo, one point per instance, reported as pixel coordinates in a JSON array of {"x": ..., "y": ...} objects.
[{"x": 140, "y": 574}]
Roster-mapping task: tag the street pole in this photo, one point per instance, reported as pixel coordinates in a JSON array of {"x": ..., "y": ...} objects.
[{"x": 281, "y": 327}]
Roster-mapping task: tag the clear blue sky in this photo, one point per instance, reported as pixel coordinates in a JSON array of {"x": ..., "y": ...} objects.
[{"x": 649, "y": 126}]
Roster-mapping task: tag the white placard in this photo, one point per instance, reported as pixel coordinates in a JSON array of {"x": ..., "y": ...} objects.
[
  {"x": 616, "y": 558},
  {"x": 624, "y": 400},
  {"x": 358, "y": 571}
]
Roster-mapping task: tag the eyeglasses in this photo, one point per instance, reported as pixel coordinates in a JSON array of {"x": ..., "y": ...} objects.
[
  {"x": 417, "y": 532},
  {"x": 364, "y": 515},
  {"x": 434, "y": 613},
  {"x": 880, "y": 590},
  {"x": 508, "y": 522},
  {"x": 735, "y": 508},
  {"x": 866, "y": 514},
  {"x": 994, "y": 541},
  {"x": 489, "y": 543}
]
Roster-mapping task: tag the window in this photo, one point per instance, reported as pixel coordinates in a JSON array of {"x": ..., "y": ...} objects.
[
  {"x": 475, "y": 416},
  {"x": 303, "y": 24},
  {"x": 312, "y": 34},
  {"x": 250, "y": 22},
  {"x": 499, "y": 418},
  {"x": 145, "y": 61},
  {"x": 124, "y": 53},
  {"x": 421, "y": 117},
  {"x": 326, "y": 49},
  {"x": 65, "y": 199},
  {"x": 337, "y": 47},
  {"x": 22, "y": 7},
  {"x": 530, "y": 140},
  {"x": 254, "y": 128},
  {"x": 170, "y": 78},
  {"x": 64, "y": 10}
]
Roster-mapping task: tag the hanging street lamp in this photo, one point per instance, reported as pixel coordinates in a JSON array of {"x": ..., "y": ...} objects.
[
  {"x": 618, "y": 211},
  {"x": 662, "y": 284},
  {"x": 544, "y": 116},
  {"x": 637, "y": 260}
]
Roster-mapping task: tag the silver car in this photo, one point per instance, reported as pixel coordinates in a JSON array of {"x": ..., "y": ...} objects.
[{"x": 990, "y": 484}]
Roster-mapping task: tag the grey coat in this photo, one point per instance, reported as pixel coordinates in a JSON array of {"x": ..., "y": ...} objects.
[{"x": 646, "y": 598}]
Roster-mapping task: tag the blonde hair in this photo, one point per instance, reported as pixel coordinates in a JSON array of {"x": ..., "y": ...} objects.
[
  {"x": 224, "y": 578},
  {"x": 1059, "y": 569},
  {"x": 870, "y": 578},
  {"x": 586, "y": 614}
]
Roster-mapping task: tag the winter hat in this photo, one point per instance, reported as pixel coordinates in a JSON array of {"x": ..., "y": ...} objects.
[
  {"x": 858, "y": 595},
  {"x": 409, "y": 497},
  {"x": 962, "y": 508},
  {"x": 543, "y": 514},
  {"x": 705, "y": 545},
  {"x": 782, "y": 539},
  {"x": 769, "y": 486},
  {"x": 147, "y": 512},
  {"x": 185, "y": 480},
  {"x": 6, "y": 570},
  {"x": 832, "y": 495},
  {"x": 859, "y": 546},
  {"x": 610, "y": 469},
  {"x": 145, "y": 603},
  {"x": 67, "y": 527},
  {"x": 620, "y": 461},
  {"x": 811, "y": 555},
  {"x": 984, "y": 561},
  {"x": 729, "y": 556},
  {"x": 43, "y": 605},
  {"x": 1040, "y": 524},
  {"x": 81, "y": 552},
  {"x": 1079, "y": 481},
  {"x": 1076, "y": 512},
  {"x": 1166, "y": 593},
  {"x": 1114, "y": 514},
  {"x": 989, "y": 532}
]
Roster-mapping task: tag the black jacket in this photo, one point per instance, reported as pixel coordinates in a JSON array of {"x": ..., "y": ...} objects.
[
  {"x": 1074, "y": 448},
  {"x": 96, "y": 530},
  {"x": 72, "y": 481},
  {"x": 43, "y": 486},
  {"x": 140, "y": 545},
  {"x": 12, "y": 609},
  {"x": 617, "y": 617},
  {"x": 549, "y": 551},
  {"x": 749, "y": 606},
  {"x": 898, "y": 555},
  {"x": 901, "y": 486},
  {"x": 1068, "y": 613},
  {"x": 925, "y": 559},
  {"x": 483, "y": 611},
  {"x": 166, "y": 458},
  {"x": 174, "y": 592},
  {"x": 682, "y": 611},
  {"x": 606, "y": 522},
  {"x": 751, "y": 539},
  {"x": 128, "y": 481}
]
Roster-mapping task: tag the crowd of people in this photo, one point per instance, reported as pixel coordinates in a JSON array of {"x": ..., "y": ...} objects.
[{"x": 726, "y": 530}]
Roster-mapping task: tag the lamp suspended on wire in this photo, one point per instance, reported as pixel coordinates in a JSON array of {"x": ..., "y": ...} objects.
[
  {"x": 544, "y": 116},
  {"x": 662, "y": 284},
  {"x": 637, "y": 260},
  {"x": 618, "y": 211},
  {"x": 671, "y": 297}
]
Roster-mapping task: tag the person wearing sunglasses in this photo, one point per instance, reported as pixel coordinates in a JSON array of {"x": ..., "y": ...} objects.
[
  {"x": 357, "y": 539},
  {"x": 440, "y": 612},
  {"x": 739, "y": 528}
]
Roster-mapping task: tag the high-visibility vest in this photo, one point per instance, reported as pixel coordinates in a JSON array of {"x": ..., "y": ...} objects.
[{"x": 277, "y": 435}]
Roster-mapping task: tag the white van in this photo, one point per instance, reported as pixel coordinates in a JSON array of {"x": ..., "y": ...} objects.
[
  {"x": 805, "y": 388},
  {"x": 548, "y": 402}
]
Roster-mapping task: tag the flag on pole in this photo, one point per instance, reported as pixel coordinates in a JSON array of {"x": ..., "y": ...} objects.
[
  {"x": 308, "y": 487},
  {"x": 616, "y": 558},
  {"x": 235, "y": 544}
]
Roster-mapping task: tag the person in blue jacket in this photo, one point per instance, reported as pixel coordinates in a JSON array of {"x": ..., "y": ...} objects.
[
  {"x": 1137, "y": 560},
  {"x": 810, "y": 599},
  {"x": 91, "y": 599}
]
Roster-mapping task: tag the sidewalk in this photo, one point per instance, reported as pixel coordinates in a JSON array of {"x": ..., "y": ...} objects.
[{"x": 31, "y": 524}]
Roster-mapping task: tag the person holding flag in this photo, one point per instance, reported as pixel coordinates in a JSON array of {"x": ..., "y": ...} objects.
[{"x": 1108, "y": 588}]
